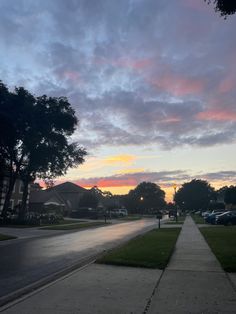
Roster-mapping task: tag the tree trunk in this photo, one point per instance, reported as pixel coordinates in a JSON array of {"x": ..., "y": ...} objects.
[
  {"x": 23, "y": 207},
  {"x": 12, "y": 181}
]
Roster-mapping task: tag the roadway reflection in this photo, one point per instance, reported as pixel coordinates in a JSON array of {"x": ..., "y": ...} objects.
[{"x": 24, "y": 262}]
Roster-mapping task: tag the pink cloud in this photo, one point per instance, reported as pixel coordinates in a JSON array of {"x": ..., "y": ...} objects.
[
  {"x": 179, "y": 86},
  {"x": 107, "y": 182},
  {"x": 217, "y": 115},
  {"x": 71, "y": 75},
  {"x": 227, "y": 84}
]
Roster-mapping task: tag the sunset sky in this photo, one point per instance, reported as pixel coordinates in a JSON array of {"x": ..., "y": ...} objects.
[{"x": 153, "y": 83}]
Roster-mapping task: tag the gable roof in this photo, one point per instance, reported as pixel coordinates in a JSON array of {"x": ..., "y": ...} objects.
[
  {"x": 68, "y": 187},
  {"x": 43, "y": 196}
]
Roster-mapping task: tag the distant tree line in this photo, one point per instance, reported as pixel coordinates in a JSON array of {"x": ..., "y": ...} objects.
[
  {"x": 200, "y": 195},
  {"x": 35, "y": 139}
]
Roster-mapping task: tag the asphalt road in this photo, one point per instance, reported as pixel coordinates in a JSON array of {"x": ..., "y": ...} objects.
[{"x": 27, "y": 261}]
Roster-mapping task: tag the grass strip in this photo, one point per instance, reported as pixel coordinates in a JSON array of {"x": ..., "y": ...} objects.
[
  {"x": 198, "y": 219},
  {"x": 4, "y": 237},
  {"x": 151, "y": 250},
  {"x": 75, "y": 226},
  {"x": 222, "y": 241}
]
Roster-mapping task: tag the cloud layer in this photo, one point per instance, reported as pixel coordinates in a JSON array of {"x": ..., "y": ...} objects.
[{"x": 137, "y": 72}]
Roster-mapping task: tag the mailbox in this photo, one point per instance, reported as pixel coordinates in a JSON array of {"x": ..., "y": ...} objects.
[{"x": 159, "y": 215}]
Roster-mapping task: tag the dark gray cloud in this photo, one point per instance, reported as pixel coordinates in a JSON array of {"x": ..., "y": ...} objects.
[{"x": 137, "y": 72}]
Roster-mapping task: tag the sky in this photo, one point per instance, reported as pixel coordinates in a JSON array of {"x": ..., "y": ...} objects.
[{"x": 153, "y": 84}]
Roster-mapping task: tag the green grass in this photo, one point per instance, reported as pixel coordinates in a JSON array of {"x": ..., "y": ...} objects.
[
  {"x": 198, "y": 219},
  {"x": 152, "y": 250},
  {"x": 75, "y": 226},
  {"x": 222, "y": 241},
  {"x": 6, "y": 237}
]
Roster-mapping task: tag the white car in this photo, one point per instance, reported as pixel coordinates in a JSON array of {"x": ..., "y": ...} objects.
[{"x": 120, "y": 212}]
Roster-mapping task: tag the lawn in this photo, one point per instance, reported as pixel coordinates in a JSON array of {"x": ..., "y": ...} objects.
[
  {"x": 152, "y": 250},
  {"x": 222, "y": 241},
  {"x": 198, "y": 219},
  {"x": 6, "y": 237},
  {"x": 75, "y": 226}
]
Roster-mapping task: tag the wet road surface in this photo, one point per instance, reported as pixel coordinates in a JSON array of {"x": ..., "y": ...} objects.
[{"x": 25, "y": 262}]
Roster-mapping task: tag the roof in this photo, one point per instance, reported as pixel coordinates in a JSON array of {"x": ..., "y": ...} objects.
[
  {"x": 68, "y": 187},
  {"x": 44, "y": 196}
]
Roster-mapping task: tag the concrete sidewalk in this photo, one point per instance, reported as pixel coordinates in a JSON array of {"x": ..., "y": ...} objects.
[{"x": 193, "y": 282}]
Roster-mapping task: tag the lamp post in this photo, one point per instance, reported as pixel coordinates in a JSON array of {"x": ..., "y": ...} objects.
[
  {"x": 141, "y": 201},
  {"x": 176, "y": 213}
]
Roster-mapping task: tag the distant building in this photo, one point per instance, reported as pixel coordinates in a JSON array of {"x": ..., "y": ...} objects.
[
  {"x": 66, "y": 194},
  {"x": 41, "y": 200},
  {"x": 17, "y": 193}
]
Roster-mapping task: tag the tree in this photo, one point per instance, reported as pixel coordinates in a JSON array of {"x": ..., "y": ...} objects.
[
  {"x": 225, "y": 7},
  {"x": 230, "y": 195},
  {"x": 147, "y": 197},
  {"x": 39, "y": 142},
  {"x": 89, "y": 199},
  {"x": 194, "y": 195}
]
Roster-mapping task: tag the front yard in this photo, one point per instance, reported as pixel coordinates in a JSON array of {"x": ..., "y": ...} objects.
[
  {"x": 151, "y": 250},
  {"x": 222, "y": 241}
]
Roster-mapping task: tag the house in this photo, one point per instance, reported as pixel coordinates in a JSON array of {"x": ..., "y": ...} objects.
[
  {"x": 71, "y": 194},
  {"x": 41, "y": 200},
  {"x": 17, "y": 193}
]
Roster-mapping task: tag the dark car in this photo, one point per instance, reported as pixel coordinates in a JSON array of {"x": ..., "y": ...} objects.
[
  {"x": 211, "y": 219},
  {"x": 227, "y": 219}
]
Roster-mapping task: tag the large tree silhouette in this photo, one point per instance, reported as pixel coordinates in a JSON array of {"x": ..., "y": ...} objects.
[
  {"x": 146, "y": 197},
  {"x": 194, "y": 195},
  {"x": 39, "y": 142}
]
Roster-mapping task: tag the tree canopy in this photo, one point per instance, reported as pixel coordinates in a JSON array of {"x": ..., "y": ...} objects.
[
  {"x": 35, "y": 137},
  {"x": 225, "y": 7},
  {"x": 147, "y": 197},
  {"x": 230, "y": 195},
  {"x": 194, "y": 195}
]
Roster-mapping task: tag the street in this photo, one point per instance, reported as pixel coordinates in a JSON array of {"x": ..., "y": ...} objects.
[{"x": 27, "y": 261}]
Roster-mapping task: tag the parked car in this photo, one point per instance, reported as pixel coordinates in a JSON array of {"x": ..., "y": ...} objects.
[
  {"x": 206, "y": 214},
  {"x": 227, "y": 218},
  {"x": 211, "y": 219},
  {"x": 121, "y": 212}
]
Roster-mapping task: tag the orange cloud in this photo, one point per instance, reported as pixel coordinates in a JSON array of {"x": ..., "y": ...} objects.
[
  {"x": 120, "y": 159},
  {"x": 217, "y": 115},
  {"x": 179, "y": 86}
]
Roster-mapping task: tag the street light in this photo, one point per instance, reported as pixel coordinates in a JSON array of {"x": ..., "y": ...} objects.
[
  {"x": 176, "y": 213},
  {"x": 141, "y": 200}
]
